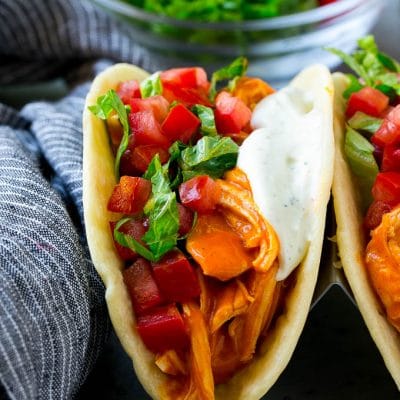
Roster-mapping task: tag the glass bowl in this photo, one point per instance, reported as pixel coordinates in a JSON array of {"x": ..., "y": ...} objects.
[{"x": 277, "y": 48}]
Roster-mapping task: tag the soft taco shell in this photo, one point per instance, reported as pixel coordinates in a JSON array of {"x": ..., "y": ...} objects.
[
  {"x": 98, "y": 181},
  {"x": 351, "y": 242}
]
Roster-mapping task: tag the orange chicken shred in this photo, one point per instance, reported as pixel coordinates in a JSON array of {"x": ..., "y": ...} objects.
[
  {"x": 251, "y": 90},
  {"x": 383, "y": 264},
  {"x": 201, "y": 376},
  {"x": 170, "y": 363},
  {"x": 217, "y": 249}
]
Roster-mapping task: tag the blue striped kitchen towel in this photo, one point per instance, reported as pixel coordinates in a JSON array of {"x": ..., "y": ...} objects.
[{"x": 53, "y": 320}]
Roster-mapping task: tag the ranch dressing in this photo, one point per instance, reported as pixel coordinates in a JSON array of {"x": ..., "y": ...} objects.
[{"x": 282, "y": 159}]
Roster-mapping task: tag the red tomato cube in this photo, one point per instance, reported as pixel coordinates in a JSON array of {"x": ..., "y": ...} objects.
[
  {"x": 200, "y": 194},
  {"x": 133, "y": 228},
  {"x": 157, "y": 105},
  {"x": 129, "y": 195},
  {"x": 231, "y": 114},
  {"x": 391, "y": 158},
  {"x": 375, "y": 213},
  {"x": 387, "y": 188},
  {"x": 141, "y": 286},
  {"x": 186, "y": 218},
  {"x": 192, "y": 77},
  {"x": 142, "y": 155},
  {"x": 325, "y": 2},
  {"x": 367, "y": 100},
  {"x": 163, "y": 329},
  {"x": 389, "y": 132},
  {"x": 128, "y": 90},
  {"x": 176, "y": 278},
  {"x": 146, "y": 129},
  {"x": 180, "y": 124},
  {"x": 186, "y": 95}
]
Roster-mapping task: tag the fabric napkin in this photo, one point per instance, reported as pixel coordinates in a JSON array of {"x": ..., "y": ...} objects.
[{"x": 53, "y": 319}]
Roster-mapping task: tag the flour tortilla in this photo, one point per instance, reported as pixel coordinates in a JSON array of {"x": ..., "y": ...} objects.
[
  {"x": 352, "y": 244},
  {"x": 98, "y": 182}
]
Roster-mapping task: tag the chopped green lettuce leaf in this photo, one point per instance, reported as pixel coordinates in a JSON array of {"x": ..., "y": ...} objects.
[
  {"x": 130, "y": 242},
  {"x": 105, "y": 105},
  {"x": 236, "y": 69},
  {"x": 206, "y": 116},
  {"x": 210, "y": 156},
  {"x": 151, "y": 86},
  {"x": 162, "y": 211}
]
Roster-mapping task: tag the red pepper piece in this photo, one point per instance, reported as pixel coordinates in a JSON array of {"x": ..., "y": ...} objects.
[
  {"x": 200, "y": 194},
  {"x": 231, "y": 114},
  {"x": 129, "y": 195},
  {"x": 180, "y": 124},
  {"x": 128, "y": 90},
  {"x": 133, "y": 228},
  {"x": 367, "y": 100},
  {"x": 176, "y": 277},
  {"x": 142, "y": 287},
  {"x": 163, "y": 329}
]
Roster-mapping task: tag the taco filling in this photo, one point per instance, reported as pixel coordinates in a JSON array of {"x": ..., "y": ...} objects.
[
  {"x": 205, "y": 269},
  {"x": 372, "y": 149}
]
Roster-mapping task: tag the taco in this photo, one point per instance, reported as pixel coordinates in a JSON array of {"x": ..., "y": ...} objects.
[
  {"x": 366, "y": 191},
  {"x": 204, "y": 210}
]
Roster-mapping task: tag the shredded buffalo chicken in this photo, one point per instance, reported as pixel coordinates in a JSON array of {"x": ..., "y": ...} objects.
[
  {"x": 237, "y": 251},
  {"x": 383, "y": 264}
]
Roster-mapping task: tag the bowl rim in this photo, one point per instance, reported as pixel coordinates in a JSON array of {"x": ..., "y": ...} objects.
[{"x": 286, "y": 21}]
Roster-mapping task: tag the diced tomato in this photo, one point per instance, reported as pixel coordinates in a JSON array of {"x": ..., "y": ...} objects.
[
  {"x": 187, "y": 96},
  {"x": 128, "y": 90},
  {"x": 200, "y": 194},
  {"x": 387, "y": 187},
  {"x": 231, "y": 114},
  {"x": 163, "y": 329},
  {"x": 367, "y": 100},
  {"x": 375, "y": 213},
  {"x": 129, "y": 195},
  {"x": 176, "y": 278},
  {"x": 134, "y": 228},
  {"x": 389, "y": 132},
  {"x": 142, "y": 155},
  {"x": 147, "y": 130},
  {"x": 325, "y": 2},
  {"x": 180, "y": 124},
  {"x": 142, "y": 287},
  {"x": 158, "y": 105},
  {"x": 391, "y": 158},
  {"x": 192, "y": 77},
  {"x": 186, "y": 218}
]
